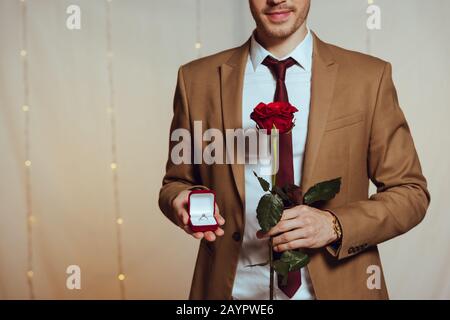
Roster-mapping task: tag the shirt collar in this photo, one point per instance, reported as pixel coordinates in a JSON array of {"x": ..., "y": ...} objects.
[{"x": 302, "y": 53}]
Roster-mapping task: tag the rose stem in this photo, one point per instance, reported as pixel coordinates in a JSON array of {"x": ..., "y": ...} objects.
[
  {"x": 273, "y": 140},
  {"x": 271, "y": 266},
  {"x": 274, "y": 150}
]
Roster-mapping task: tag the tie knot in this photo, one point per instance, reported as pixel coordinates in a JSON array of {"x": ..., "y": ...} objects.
[{"x": 278, "y": 67}]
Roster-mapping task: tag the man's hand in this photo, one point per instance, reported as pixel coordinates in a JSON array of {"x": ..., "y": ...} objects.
[
  {"x": 179, "y": 205},
  {"x": 302, "y": 227}
]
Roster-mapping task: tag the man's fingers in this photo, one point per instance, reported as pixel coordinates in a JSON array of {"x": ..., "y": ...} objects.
[
  {"x": 290, "y": 236},
  {"x": 183, "y": 216},
  {"x": 219, "y": 232},
  {"x": 179, "y": 205},
  {"x": 286, "y": 225},
  {"x": 210, "y": 236},
  {"x": 261, "y": 234},
  {"x": 296, "y": 244},
  {"x": 198, "y": 235},
  {"x": 219, "y": 218},
  {"x": 292, "y": 213}
]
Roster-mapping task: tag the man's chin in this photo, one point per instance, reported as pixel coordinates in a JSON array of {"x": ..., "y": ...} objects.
[{"x": 279, "y": 32}]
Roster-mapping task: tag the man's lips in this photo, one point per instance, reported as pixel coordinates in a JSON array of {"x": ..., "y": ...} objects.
[{"x": 279, "y": 16}]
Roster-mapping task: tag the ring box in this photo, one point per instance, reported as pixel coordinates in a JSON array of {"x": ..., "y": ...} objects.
[{"x": 201, "y": 209}]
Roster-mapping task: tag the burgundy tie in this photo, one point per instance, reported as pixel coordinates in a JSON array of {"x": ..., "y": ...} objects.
[{"x": 285, "y": 174}]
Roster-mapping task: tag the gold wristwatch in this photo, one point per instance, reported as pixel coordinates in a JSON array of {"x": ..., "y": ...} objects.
[{"x": 337, "y": 228}]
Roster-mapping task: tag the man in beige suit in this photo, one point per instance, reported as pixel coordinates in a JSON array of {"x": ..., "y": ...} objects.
[{"x": 354, "y": 129}]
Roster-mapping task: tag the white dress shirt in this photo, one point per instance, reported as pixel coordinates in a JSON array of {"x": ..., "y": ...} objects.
[{"x": 259, "y": 86}]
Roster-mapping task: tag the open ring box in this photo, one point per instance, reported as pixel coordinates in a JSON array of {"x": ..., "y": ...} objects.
[{"x": 201, "y": 208}]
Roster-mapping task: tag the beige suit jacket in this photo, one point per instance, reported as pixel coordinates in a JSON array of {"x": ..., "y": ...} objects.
[{"x": 356, "y": 131}]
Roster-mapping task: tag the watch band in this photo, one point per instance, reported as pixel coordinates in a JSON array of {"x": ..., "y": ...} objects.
[{"x": 337, "y": 228}]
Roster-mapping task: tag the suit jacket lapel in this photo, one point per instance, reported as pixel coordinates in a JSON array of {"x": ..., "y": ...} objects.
[
  {"x": 231, "y": 83},
  {"x": 324, "y": 72}
]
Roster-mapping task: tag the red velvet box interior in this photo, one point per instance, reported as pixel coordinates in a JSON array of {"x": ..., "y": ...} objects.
[{"x": 201, "y": 211}]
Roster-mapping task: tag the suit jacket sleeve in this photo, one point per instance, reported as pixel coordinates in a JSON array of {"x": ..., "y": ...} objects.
[
  {"x": 402, "y": 197},
  {"x": 182, "y": 176}
]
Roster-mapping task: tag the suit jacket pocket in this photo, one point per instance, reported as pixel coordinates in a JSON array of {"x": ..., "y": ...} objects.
[{"x": 345, "y": 121}]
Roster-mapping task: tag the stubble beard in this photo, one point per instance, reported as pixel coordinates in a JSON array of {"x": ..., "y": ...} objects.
[{"x": 281, "y": 32}]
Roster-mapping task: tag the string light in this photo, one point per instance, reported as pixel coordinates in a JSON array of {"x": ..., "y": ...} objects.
[
  {"x": 30, "y": 219},
  {"x": 113, "y": 165},
  {"x": 368, "y": 34},
  {"x": 198, "y": 19}
]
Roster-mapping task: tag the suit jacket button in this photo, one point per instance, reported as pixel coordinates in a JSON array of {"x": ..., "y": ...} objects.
[{"x": 236, "y": 236}]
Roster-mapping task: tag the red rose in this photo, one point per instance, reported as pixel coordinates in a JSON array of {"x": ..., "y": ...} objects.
[{"x": 278, "y": 114}]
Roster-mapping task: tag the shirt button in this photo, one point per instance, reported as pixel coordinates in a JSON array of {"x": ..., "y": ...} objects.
[{"x": 236, "y": 236}]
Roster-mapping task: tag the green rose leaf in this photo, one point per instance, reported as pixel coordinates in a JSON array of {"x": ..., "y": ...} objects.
[
  {"x": 269, "y": 211},
  {"x": 294, "y": 259},
  {"x": 282, "y": 269},
  {"x": 264, "y": 184},
  {"x": 323, "y": 191},
  {"x": 289, "y": 261}
]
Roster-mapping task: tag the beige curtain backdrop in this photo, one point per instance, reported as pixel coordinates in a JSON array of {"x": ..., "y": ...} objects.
[{"x": 70, "y": 137}]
